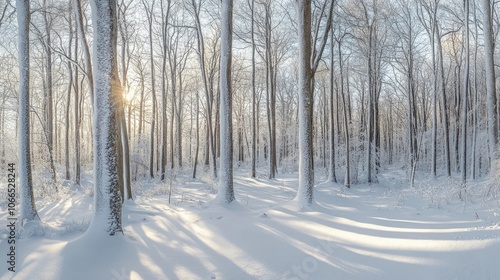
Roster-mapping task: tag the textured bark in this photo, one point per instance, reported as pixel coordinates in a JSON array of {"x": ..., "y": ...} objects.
[
  {"x": 465, "y": 94},
  {"x": 491, "y": 103},
  {"x": 197, "y": 149},
  {"x": 434, "y": 98},
  {"x": 108, "y": 96},
  {"x": 27, "y": 201},
  {"x": 76, "y": 121},
  {"x": 444, "y": 108},
  {"x": 163, "y": 157},
  {"x": 149, "y": 13},
  {"x": 48, "y": 98},
  {"x": 85, "y": 47},
  {"x": 331, "y": 167},
  {"x": 306, "y": 174},
  {"x": 270, "y": 92},
  {"x": 226, "y": 191},
  {"x": 68, "y": 104},
  {"x": 254, "y": 131}
]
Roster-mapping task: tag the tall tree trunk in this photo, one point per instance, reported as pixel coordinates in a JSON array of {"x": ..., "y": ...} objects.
[
  {"x": 68, "y": 103},
  {"x": 226, "y": 191},
  {"x": 27, "y": 201},
  {"x": 270, "y": 92},
  {"x": 195, "y": 163},
  {"x": 179, "y": 122},
  {"x": 49, "y": 110},
  {"x": 149, "y": 13},
  {"x": 165, "y": 19},
  {"x": 122, "y": 123},
  {"x": 210, "y": 145},
  {"x": 331, "y": 171},
  {"x": 465, "y": 94},
  {"x": 306, "y": 175},
  {"x": 173, "y": 104},
  {"x": 347, "y": 180},
  {"x": 433, "y": 37},
  {"x": 444, "y": 109},
  {"x": 491, "y": 103},
  {"x": 254, "y": 131},
  {"x": 107, "y": 215},
  {"x": 77, "y": 110},
  {"x": 85, "y": 47}
]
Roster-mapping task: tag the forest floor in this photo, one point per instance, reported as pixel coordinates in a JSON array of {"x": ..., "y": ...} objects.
[{"x": 383, "y": 231}]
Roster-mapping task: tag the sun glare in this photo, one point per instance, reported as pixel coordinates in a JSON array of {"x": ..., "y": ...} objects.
[{"x": 128, "y": 95}]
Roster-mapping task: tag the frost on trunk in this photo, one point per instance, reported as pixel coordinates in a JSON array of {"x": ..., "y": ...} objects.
[
  {"x": 107, "y": 196},
  {"x": 490, "y": 78},
  {"x": 226, "y": 191},
  {"x": 254, "y": 131},
  {"x": 306, "y": 176},
  {"x": 85, "y": 47},
  {"x": 27, "y": 207},
  {"x": 465, "y": 93},
  {"x": 331, "y": 170}
]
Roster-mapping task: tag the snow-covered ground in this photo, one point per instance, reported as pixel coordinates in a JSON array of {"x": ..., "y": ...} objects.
[{"x": 383, "y": 231}]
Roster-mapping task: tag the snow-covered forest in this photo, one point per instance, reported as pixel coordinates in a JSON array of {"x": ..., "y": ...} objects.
[{"x": 249, "y": 139}]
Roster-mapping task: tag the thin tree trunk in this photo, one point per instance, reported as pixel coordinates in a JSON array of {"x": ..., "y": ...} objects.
[
  {"x": 201, "y": 60},
  {"x": 433, "y": 37},
  {"x": 444, "y": 109},
  {"x": 195, "y": 164},
  {"x": 77, "y": 111},
  {"x": 49, "y": 110},
  {"x": 254, "y": 131},
  {"x": 153, "y": 89},
  {"x": 331, "y": 171},
  {"x": 68, "y": 104},
  {"x": 85, "y": 47},
  {"x": 463, "y": 164},
  {"x": 165, "y": 19}
]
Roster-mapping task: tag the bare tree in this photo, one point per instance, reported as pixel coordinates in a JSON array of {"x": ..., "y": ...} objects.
[
  {"x": 108, "y": 100},
  {"x": 309, "y": 60},
  {"x": 491, "y": 105},
  {"x": 27, "y": 202},
  {"x": 150, "y": 14},
  {"x": 165, "y": 12},
  {"x": 465, "y": 94},
  {"x": 331, "y": 167},
  {"x": 254, "y": 118},
  {"x": 207, "y": 84},
  {"x": 85, "y": 47},
  {"x": 226, "y": 191}
]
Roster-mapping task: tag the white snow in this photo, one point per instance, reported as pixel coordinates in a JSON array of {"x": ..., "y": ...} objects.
[{"x": 385, "y": 231}]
